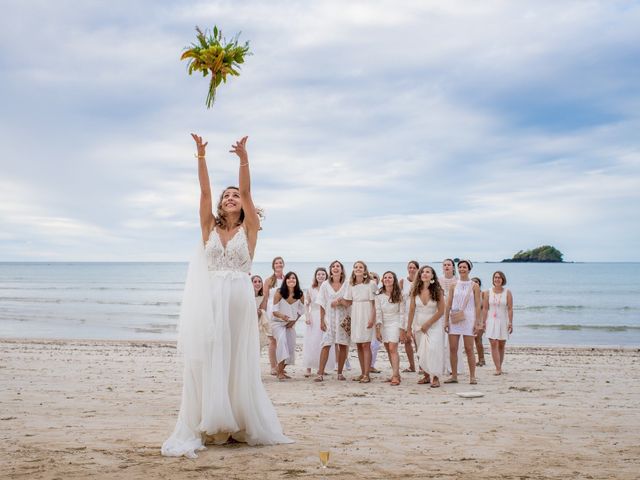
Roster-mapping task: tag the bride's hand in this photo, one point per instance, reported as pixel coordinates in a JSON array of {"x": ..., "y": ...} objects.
[
  {"x": 240, "y": 149},
  {"x": 202, "y": 147}
]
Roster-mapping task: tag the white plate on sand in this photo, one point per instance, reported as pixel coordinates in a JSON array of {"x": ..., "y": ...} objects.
[{"x": 470, "y": 394}]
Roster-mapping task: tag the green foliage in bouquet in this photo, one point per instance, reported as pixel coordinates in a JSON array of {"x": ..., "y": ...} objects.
[{"x": 212, "y": 54}]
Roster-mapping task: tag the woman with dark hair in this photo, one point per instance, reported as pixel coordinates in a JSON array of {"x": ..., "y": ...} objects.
[
  {"x": 406, "y": 284},
  {"x": 389, "y": 320},
  {"x": 430, "y": 337},
  {"x": 222, "y": 392},
  {"x": 271, "y": 285},
  {"x": 313, "y": 333},
  {"x": 462, "y": 319},
  {"x": 288, "y": 307},
  {"x": 425, "y": 309},
  {"x": 498, "y": 318},
  {"x": 333, "y": 311},
  {"x": 361, "y": 298},
  {"x": 478, "y": 337}
]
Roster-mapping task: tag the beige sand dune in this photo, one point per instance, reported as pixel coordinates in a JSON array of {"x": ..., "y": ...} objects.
[{"x": 99, "y": 409}]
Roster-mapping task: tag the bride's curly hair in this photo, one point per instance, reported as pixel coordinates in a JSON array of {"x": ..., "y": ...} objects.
[{"x": 221, "y": 218}]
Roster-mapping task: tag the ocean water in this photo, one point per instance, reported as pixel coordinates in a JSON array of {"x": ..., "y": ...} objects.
[{"x": 588, "y": 304}]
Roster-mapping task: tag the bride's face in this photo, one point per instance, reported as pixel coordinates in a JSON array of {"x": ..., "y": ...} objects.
[{"x": 231, "y": 202}]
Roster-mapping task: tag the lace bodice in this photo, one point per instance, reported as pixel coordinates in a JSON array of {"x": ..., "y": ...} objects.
[{"x": 235, "y": 257}]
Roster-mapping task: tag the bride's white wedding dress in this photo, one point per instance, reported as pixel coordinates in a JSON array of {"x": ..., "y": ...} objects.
[{"x": 222, "y": 393}]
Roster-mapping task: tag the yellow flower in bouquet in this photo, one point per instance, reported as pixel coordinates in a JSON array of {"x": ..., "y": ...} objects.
[{"x": 212, "y": 54}]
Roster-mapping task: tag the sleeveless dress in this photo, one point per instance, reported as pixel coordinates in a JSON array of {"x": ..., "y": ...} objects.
[
  {"x": 333, "y": 315},
  {"x": 498, "y": 316},
  {"x": 222, "y": 393},
  {"x": 406, "y": 294},
  {"x": 312, "y": 333},
  {"x": 432, "y": 354},
  {"x": 361, "y": 295},
  {"x": 459, "y": 296},
  {"x": 286, "y": 337},
  {"x": 421, "y": 314},
  {"x": 390, "y": 316}
]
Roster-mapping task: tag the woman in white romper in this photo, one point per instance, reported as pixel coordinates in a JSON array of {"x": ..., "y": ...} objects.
[
  {"x": 271, "y": 285},
  {"x": 313, "y": 333},
  {"x": 288, "y": 306},
  {"x": 333, "y": 310},
  {"x": 389, "y": 320},
  {"x": 406, "y": 284},
  {"x": 464, "y": 296},
  {"x": 363, "y": 315},
  {"x": 498, "y": 318}
]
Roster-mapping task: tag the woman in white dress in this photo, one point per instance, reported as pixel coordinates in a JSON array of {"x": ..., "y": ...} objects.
[
  {"x": 361, "y": 298},
  {"x": 425, "y": 324},
  {"x": 462, "y": 319},
  {"x": 389, "y": 320},
  {"x": 406, "y": 284},
  {"x": 478, "y": 338},
  {"x": 333, "y": 310},
  {"x": 288, "y": 307},
  {"x": 448, "y": 279},
  {"x": 263, "y": 324},
  {"x": 498, "y": 318},
  {"x": 271, "y": 285},
  {"x": 222, "y": 392},
  {"x": 375, "y": 343},
  {"x": 313, "y": 333}
]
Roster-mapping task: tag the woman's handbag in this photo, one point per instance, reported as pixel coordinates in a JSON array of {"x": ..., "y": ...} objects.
[
  {"x": 457, "y": 315},
  {"x": 346, "y": 324}
]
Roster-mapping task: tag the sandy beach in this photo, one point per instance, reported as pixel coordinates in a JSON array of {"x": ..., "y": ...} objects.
[{"x": 101, "y": 409}]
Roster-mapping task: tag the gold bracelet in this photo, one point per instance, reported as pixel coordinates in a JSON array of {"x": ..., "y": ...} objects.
[
  {"x": 244, "y": 164},
  {"x": 199, "y": 156}
]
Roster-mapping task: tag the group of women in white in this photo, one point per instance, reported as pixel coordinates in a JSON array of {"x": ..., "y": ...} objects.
[{"x": 430, "y": 315}]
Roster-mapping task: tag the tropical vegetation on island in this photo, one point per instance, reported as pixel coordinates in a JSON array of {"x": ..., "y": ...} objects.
[{"x": 545, "y": 253}]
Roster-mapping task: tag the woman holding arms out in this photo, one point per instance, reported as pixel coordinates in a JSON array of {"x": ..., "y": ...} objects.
[
  {"x": 498, "y": 318},
  {"x": 333, "y": 310},
  {"x": 272, "y": 284},
  {"x": 222, "y": 393},
  {"x": 406, "y": 284},
  {"x": 462, "y": 319},
  {"x": 426, "y": 306},
  {"x": 288, "y": 306},
  {"x": 363, "y": 315},
  {"x": 389, "y": 319},
  {"x": 313, "y": 333}
]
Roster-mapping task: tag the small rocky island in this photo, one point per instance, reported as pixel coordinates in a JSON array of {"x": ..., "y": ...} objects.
[{"x": 546, "y": 253}]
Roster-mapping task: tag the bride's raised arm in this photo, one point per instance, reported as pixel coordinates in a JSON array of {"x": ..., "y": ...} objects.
[
  {"x": 251, "y": 220},
  {"x": 206, "y": 203}
]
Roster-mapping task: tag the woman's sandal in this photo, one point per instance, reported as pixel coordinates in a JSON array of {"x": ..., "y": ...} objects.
[
  {"x": 341, "y": 377},
  {"x": 319, "y": 378},
  {"x": 473, "y": 381},
  {"x": 357, "y": 379},
  {"x": 451, "y": 380},
  {"x": 395, "y": 381},
  {"x": 409, "y": 370},
  {"x": 435, "y": 384},
  {"x": 424, "y": 381},
  {"x": 365, "y": 379}
]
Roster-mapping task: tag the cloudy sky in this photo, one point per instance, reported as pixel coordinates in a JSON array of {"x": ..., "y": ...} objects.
[{"x": 378, "y": 130}]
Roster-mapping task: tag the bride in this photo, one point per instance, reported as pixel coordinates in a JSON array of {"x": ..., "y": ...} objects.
[{"x": 222, "y": 392}]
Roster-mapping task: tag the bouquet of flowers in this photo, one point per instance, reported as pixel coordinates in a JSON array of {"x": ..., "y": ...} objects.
[{"x": 212, "y": 54}]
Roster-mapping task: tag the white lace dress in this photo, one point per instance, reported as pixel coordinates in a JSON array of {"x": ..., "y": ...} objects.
[
  {"x": 390, "y": 316},
  {"x": 222, "y": 391}
]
